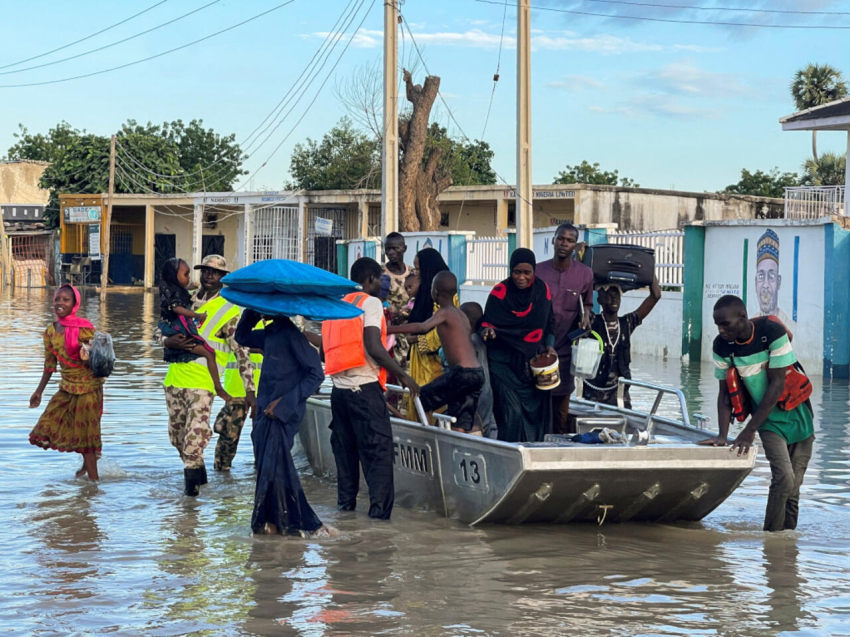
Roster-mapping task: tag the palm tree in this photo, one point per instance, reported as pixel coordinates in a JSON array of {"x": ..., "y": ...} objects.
[
  {"x": 828, "y": 170},
  {"x": 815, "y": 85}
]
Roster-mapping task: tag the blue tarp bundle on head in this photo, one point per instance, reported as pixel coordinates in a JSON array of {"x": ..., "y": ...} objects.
[
  {"x": 290, "y": 277},
  {"x": 311, "y": 306},
  {"x": 278, "y": 287}
]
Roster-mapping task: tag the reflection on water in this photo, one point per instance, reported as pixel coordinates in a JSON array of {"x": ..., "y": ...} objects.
[{"x": 132, "y": 556}]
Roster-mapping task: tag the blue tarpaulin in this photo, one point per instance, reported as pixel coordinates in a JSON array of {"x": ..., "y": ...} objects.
[
  {"x": 312, "y": 307},
  {"x": 289, "y": 277}
]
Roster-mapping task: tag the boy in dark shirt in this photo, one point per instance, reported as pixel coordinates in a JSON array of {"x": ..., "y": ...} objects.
[
  {"x": 460, "y": 386},
  {"x": 616, "y": 332}
]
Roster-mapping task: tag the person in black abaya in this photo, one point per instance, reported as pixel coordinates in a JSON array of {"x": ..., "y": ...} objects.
[
  {"x": 292, "y": 372},
  {"x": 518, "y": 324}
]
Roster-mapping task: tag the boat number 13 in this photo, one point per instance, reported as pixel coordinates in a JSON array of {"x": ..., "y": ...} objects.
[{"x": 470, "y": 470}]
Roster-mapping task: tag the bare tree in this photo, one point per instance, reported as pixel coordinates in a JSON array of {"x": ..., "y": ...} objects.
[
  {"x": 422, "y": 173},
  {"x": 421, "y": 178}
]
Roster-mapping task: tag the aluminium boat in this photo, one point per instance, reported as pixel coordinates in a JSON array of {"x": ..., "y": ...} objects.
[{"x": 657, "y": 474}]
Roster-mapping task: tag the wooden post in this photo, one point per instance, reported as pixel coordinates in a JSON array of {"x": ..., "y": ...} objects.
[
  {"x": 4, "y": 255},
  {"x": 107, "y": 227},
  {"x": 524, "y": 190},
  {"x": 150, "y": 253},
  {"x": 389, "y": 150}
]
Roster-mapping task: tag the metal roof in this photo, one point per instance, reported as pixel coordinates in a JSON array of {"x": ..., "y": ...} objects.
[{"x": 831, "y": 116}]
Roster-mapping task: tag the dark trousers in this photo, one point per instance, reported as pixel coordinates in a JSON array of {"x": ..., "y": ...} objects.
[
  {"x": 788, "y": 465},
  {"x": 361, "y": 436}
]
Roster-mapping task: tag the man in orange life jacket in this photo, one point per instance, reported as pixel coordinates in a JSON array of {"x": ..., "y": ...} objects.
[{"x": 357, "y": 361}]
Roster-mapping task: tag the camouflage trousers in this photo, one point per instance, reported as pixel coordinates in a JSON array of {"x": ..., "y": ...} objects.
[
  {"x": 228, "y": 425},
  {"x": 189, "y": 423}
]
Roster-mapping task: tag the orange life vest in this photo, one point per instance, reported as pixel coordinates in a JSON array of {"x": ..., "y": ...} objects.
[
  {"x": 738, "y": 395},
  {"x": 342, "y": 341}
]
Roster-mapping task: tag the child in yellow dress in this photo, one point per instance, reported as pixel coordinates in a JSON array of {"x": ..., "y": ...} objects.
[{"x": 71, "y": 421}]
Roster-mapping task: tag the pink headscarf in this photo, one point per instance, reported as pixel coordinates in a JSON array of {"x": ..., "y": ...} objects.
[{"x": 72, "y": 323}]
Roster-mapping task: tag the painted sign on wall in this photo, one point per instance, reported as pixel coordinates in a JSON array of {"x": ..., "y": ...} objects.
[
  {"x": 82, "y": 214},
  {"x": 777, "y": 270}
]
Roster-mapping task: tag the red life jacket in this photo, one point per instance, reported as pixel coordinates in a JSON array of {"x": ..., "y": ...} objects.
[
  {"x": 741, "y": 405},
  {"x": 798, "y": 387},
  {"x": 342, "y": 341}
]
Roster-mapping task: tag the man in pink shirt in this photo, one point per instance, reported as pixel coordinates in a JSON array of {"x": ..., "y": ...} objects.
[{"x": 571, "y": 285}]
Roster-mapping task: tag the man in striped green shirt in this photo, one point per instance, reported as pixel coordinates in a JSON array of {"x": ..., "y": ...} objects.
[{"x": 761, "y": 352}]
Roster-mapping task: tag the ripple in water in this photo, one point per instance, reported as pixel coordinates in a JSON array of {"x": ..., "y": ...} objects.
[{"x": 131, "y": 555}]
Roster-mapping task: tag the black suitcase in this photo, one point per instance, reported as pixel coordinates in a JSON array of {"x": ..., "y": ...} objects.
[{"x": 629, "y": 266}]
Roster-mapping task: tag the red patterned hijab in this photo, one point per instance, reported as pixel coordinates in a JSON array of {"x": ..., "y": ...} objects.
[{"x": 72, "y": 323}]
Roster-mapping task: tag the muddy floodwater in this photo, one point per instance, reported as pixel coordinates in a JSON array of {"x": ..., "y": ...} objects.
[{"x": 132, "y": 556}]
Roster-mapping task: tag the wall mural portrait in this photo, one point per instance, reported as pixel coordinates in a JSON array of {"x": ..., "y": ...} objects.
[{"x": 768, "y": 280}]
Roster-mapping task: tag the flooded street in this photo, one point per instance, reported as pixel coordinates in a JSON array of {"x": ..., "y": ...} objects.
[{"x": 133, "y": 556}]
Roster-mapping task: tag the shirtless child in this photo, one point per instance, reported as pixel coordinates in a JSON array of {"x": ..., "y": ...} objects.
[{"x": 460, "y": 387}]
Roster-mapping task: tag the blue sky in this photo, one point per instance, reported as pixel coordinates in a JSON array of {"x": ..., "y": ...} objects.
[{"x": 682, "y": 106}]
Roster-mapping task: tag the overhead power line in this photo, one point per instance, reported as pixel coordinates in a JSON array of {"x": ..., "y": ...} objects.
[
  {"x": 716, "y": 9},
  {"x": 466, "y": 137},
  {"x": 755, "y": 25},
  {"x": 152, "y": 57},
  {"x": 496, "y": 75},
  {"x": 84, "y": 38},
  {"x": 296, "y": 92},
  {"x": 116, "y": 43}
]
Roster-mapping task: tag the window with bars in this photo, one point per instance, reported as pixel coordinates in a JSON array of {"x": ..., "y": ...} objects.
[{"x": 276, "y": 234}]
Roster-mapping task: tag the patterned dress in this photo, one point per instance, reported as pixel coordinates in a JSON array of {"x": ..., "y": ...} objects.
[{"x": 71, "y": 421}]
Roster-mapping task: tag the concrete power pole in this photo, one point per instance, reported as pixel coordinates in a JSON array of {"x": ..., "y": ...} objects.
[
  {"x": 107, "y": 227},
  {"x": 524, "y": 190},
  {"x": 389, "y": 155}
]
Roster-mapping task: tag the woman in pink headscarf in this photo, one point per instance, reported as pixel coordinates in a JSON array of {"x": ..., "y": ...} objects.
[{"x": 71, "y": 421}]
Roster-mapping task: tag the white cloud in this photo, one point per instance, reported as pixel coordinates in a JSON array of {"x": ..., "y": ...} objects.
[
  {"x": 687, "y": 79},
  {"x": 646, "y": 105},
  {"x": 575, "y": 83},
  {"x": 545, "y": 41}
]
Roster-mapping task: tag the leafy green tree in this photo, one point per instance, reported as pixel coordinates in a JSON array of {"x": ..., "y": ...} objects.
[
  {"x": 827, "y": 170},
  {"x": 815, "y": 85},
  {"x": 761, "y": 184},
  {"x": 587, "y": 173},
  {"x": 469, "y": 163},
  {"x": 344, "y": 159},
  {"x": 171, "y": 158},
  {"x": 206, "y": 160}
]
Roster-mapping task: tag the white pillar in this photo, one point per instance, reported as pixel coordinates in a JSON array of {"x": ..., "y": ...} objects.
[
  {"x": 248, "y": 243},
  {"x": 363, "y": 217},
  {"x": 389, "y": 155},
  {"x": 197, "y": 241},
  {"x": 302, "y": 230},
  {"x": 524, "y": 190}
]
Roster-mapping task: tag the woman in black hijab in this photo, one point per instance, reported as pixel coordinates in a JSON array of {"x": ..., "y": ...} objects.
[
  {"x": 518, "y": 324},
  {"x": 425, "y": 363}
]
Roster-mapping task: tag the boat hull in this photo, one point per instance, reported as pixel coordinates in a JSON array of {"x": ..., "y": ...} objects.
[{"x": 477, "y": 480}]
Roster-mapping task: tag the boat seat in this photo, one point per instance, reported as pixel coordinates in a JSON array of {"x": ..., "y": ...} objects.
[{"x": 585, "y": 424}]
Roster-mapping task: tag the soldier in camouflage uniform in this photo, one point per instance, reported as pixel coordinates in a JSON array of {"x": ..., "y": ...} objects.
[{"x": 189, "y": 408}]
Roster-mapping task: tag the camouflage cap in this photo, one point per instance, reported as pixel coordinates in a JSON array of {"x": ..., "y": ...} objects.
[{"x": 214, "y": 262}]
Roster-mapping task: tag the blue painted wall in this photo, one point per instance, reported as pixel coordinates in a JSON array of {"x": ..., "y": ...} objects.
[{"x": 836, "y": 301}]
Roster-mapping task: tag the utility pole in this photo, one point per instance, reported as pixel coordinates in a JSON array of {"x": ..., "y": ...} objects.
[
  {"x": 389, "y": 154},
  {"x": 104, "y": 276},
  {"x": 524, "y": 189}
]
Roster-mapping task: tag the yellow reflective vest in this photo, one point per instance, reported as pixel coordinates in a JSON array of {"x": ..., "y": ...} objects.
[
  {"x": 195, "y": 375},
  {"x": 233, "y": 384}
]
